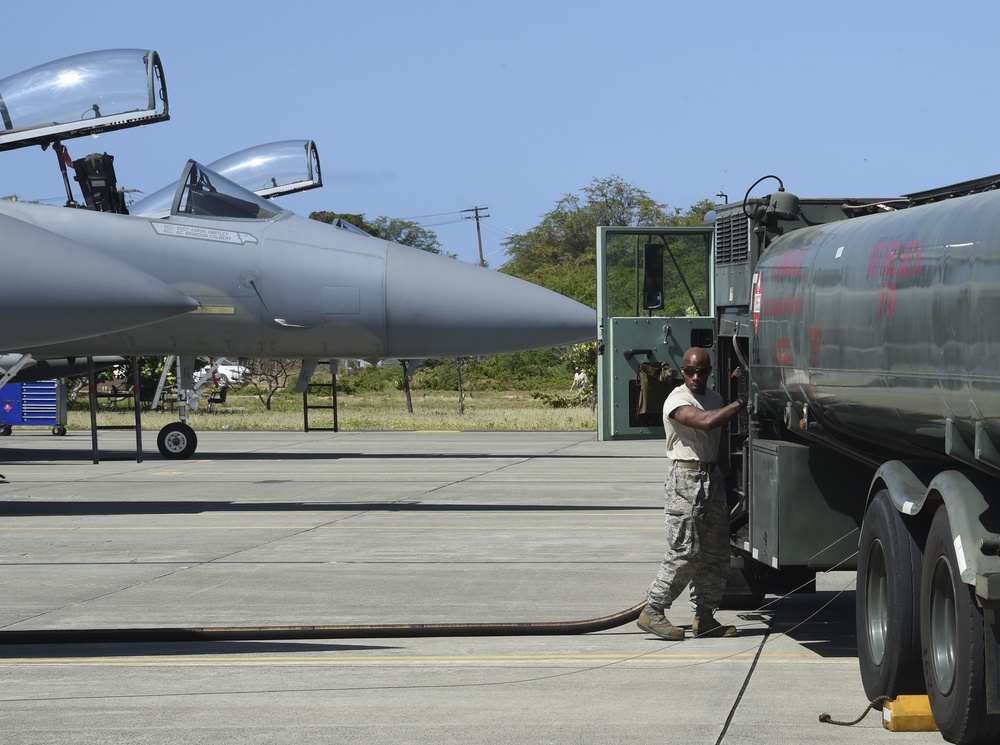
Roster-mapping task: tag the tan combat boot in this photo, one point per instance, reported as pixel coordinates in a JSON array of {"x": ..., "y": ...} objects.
[
  {"x": 652, "y": 620},
  {"x": 706, "y": 625}
]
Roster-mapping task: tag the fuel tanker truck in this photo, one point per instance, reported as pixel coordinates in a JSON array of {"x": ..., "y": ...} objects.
[{"x": 866, "y": 334}]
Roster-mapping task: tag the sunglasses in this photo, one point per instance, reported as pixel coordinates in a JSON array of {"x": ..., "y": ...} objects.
[{"x": 696, "y": 372}]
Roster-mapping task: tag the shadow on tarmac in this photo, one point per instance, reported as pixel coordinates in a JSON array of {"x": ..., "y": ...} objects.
[
  {"x": 30, "y": 651},
  {"x": 34, "y": 457},
  {"x": 40, "y": 508},
  {"x": 822, "y": 622}
]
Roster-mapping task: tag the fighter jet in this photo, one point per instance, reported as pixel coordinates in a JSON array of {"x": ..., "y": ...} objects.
[
  {"x": 232, "y": 273},
  {"x": 269, "y": 283}
]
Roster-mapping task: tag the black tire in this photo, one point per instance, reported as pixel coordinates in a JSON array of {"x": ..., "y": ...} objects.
[
  {"x": 59, "y": 430},
  {"x": 887, "y": 614},
  {"x": 221, "y": 379},
  {"x": 177, "y": 441},
  {"x": 5, "y": 430},
  {"x": 952, "y": 644}
]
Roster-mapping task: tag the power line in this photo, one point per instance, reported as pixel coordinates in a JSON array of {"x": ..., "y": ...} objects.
[
  {"x": 479, "y": 234},
  {"x": 444, "y": 222},
  {"x": 499, "y": 231},
  {"x": 436, "y": 214}
]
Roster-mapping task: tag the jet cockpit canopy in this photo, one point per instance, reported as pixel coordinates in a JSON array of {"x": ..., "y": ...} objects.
[
  {"x": 205, "y": 193},
  {"x": 273, "y": 169},
  {"x": 268, "y": 170},
  {"x": 82, "y": 95}
]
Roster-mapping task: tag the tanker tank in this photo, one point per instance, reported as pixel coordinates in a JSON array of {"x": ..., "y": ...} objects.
[{"x": 880, "y": 332}]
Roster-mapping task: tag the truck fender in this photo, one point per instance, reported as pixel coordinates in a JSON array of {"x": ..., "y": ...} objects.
[
  {"x": 975, "y": 523},
  {"x": 906, "y": 488}
]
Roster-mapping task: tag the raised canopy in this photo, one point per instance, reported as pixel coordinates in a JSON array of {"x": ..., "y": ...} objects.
[{"x": 82, "y": 95}]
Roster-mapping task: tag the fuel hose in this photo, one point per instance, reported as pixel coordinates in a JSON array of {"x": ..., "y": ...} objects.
[{"x": 359, "y": 631}]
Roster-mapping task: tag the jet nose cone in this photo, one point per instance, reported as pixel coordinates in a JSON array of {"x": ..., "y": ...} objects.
[{"x": 441, "y": 307}]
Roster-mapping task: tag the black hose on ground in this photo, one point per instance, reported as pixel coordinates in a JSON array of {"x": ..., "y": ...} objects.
[{"x": 273, "y": 633}]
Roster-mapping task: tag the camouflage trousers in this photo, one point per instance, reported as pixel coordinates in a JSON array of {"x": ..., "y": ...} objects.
[{"x": 697, "y": 521}]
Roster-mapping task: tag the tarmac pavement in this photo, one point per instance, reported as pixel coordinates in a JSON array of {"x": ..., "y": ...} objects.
[{"x": 323, "y": 528}]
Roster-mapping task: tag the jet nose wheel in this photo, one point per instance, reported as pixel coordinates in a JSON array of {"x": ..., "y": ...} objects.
[{"x": 177, "y": 441}]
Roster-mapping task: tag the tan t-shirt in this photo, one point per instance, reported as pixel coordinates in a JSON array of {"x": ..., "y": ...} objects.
[{"x": 688, "y": 443}]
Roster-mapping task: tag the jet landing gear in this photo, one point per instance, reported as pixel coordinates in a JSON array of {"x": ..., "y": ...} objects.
[{"x": 177, "y": 441}]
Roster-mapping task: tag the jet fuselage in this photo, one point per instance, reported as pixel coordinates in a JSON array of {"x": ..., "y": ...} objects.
[{"x": 286, "y": 286}]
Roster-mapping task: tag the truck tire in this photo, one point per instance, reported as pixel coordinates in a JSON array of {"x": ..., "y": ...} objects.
[
  {"x": 952, "y": 644},
  {"x": 887, "y": 614}
]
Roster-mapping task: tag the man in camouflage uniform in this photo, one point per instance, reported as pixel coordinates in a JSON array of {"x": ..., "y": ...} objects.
[{"x": 696, "y": 513}]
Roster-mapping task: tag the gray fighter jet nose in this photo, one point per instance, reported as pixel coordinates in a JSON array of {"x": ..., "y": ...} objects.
[{"x": 440, "y": 307}]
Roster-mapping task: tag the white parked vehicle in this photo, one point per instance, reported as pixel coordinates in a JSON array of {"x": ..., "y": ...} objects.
[{"x": 226, "y": 373}]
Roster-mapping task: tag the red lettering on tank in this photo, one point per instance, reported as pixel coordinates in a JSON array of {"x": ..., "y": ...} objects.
[
  {"x": 895, "y": 259},
  {"x": 887, "y": 299},
  {"x": 815, "y": 343},
  {"x": 783, "y": 306},
  {"x": 789, "y": 264},
  {"x": 891, "y": 260},
  {"x": 876, "y": 260},
  {"x": 783, "y": 354},
  {"x": 909, "y": 265}
]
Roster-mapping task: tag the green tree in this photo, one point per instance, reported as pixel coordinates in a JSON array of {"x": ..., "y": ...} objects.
[
  {"x": 694, "y": 216},
  {"x": 357, "y": 220},
  {"x": 405, "y": 232},
  {"x": 560, "y": 252}
]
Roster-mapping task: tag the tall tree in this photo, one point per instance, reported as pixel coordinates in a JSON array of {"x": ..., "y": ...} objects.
[{"x": 560, "y": 252}]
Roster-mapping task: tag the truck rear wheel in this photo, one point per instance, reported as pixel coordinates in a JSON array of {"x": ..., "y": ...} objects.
[
  {"x": 888, "y": 590},
  {"x": 953, "y": 644}
]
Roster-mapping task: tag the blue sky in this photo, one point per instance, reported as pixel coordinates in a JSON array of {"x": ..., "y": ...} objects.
[{"x": 426, "y": 109}]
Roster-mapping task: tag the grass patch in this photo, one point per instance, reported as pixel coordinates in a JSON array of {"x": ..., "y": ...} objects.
[{"x": 375, "y": 410}]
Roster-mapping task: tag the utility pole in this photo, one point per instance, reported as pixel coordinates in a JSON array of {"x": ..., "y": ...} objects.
[{"x": 479, "y": 233}]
